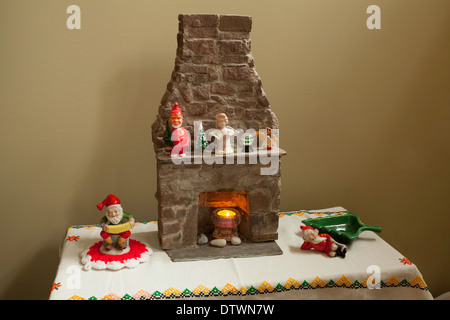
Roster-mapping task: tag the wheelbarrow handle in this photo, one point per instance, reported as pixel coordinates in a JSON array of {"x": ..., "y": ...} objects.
[{"x": 370, "y": 228}]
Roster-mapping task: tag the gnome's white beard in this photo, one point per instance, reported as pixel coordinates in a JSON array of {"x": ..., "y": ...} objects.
[
  {"x": 318, "y": 240},
  {"x": 117, "y": 219},
  {"x": 308, "y": 236}
]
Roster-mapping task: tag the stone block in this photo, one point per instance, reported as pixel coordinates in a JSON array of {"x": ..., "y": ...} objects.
[
  {"x": 201, "y": 93},
  {"x": 167, "y": 214},
  {"x": 235, "y": 23},
  {"x": 229, "y": 59},
  {"x": 198, "y": 20},
  {"x": 264, "y": 225},
  {"x": 199, "y": 79},
  {"x": 222, "y": 89},
  {"x": 186, "y": 92},
  {"x": 169, "y": 242},
  {"x": 239, "y": 74},
  {"x": 213, "y": 73},
  {"x": 200, "y": 47},
  {"x": 200, "y": 33},
  {"x": 225, "y": 35},
  {"x": 233, "y": 47},
  {"x": 209, "y": 59},
  {"x": 190, "y": 68},
  {"x": 260, "y": 200},
  {"x": 170, "y": 227}
]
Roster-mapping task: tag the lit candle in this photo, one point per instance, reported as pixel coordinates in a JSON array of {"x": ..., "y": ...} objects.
[
  {"x": 225, "y": 223},
  {"x": 226, "y": 214},
  {"x": 226, "y": 219}
]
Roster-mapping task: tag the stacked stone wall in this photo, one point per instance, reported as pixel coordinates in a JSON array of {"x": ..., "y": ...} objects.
[{"x": 214, "y": 72}]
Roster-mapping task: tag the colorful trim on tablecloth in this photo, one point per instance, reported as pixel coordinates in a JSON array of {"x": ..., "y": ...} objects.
[
  {"x": 316, "y": 213},
  {"x": 264, "y": 288}
]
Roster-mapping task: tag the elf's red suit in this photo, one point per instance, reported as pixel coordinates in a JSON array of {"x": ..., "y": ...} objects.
[
  {"x": 324, "y": 246},
  {"x": 182, "y": 141},
  {"x": 180, "y": 136}
]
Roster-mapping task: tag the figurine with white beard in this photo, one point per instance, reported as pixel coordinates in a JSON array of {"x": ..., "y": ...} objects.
[
  {"x": 114, "y": 216},
  {"x": 321, "y": 242}
]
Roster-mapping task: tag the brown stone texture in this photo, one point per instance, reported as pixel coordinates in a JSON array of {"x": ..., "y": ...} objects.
[
  {"x": 179, "y": 188},
  {"x": 214, "y": 72}
]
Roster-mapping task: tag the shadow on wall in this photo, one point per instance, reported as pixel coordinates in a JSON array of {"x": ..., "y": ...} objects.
[{"x": 34, "y": 281}]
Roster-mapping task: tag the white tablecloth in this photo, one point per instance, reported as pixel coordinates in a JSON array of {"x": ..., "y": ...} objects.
[{"x": 296, "y": 274}]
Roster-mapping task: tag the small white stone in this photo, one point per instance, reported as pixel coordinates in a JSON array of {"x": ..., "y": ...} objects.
[
  {"x": 235, "y": 241},
  {"x": 219, "y": 243},
  {"x": 202, "y": 239}
]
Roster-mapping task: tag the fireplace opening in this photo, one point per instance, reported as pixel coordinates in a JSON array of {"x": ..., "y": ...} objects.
[{"x": 224, "y": 214}]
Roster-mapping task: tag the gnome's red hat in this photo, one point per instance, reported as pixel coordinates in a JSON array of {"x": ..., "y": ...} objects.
[
  {"x": 109, "y": 201},
  {"x": 306, "y": 227},
  {"x": 176, "y": 110}
]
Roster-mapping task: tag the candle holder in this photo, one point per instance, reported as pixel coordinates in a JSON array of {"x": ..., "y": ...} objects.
[{"x": 225, "y": 222}]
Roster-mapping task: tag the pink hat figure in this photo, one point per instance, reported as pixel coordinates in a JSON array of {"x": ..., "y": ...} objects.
[
  {"x": 109, "y": 201},
  {"x": 176, "y": 110}
]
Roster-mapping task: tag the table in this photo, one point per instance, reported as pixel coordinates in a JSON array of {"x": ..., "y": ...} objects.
[{"x": 372, "y": 269}]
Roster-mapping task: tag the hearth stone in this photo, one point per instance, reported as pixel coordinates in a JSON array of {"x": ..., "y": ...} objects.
[{"x": 208, "y": 252}]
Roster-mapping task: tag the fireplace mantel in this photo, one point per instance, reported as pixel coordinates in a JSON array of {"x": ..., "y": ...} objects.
[{"x": 194, "y": 158}]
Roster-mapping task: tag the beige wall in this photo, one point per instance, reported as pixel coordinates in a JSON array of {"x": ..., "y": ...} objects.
[{"x": 364, "y": 116}]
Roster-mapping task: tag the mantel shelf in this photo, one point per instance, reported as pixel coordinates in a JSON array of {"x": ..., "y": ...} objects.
[{"x": 195, "y": 158}]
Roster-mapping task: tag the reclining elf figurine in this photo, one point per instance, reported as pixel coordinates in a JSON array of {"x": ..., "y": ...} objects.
[
  {"x": 116, "y": 224},
  {"x": 321, "y": 242}
]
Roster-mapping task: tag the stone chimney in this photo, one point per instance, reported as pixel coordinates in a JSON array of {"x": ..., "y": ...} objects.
[{"x": 214, "y": 72}]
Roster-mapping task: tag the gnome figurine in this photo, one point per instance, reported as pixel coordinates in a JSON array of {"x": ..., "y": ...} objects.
[
  {"x": 176, "y": 138},
  {"x": 321, "y": 242},
  {"x": 116, "y": 224},
  {"x": 117, "y": 250}
]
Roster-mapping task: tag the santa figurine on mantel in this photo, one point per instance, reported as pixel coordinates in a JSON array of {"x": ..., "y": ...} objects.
[{"x": 176, "y": 138}]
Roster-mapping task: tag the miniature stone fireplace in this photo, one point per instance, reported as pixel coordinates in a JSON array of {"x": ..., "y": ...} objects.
[{"x": 214, "y": 73}]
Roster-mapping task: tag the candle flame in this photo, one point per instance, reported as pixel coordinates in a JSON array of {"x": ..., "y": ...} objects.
[{"x": 226, "y": 213}]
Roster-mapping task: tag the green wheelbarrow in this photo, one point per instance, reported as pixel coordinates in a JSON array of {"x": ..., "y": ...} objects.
[{"x": 342, "y": 228}]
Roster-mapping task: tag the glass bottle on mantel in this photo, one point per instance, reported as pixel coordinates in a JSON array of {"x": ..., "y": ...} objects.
[{"x": 247, "y": 141}]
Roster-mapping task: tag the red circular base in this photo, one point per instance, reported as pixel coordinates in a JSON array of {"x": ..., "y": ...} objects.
[
  {"x": 136, "y": 250},
  {"x": 94, "y": 258}
]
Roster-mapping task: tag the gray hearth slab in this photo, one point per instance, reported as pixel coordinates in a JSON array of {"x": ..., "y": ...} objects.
[{"x": 209, "y": 252}]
